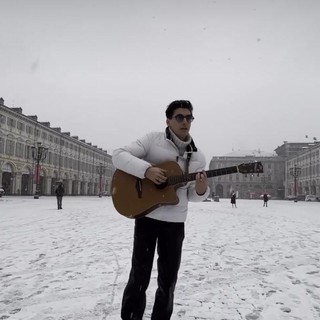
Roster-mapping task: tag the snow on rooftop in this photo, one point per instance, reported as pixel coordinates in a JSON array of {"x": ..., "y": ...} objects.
[{"x": 246, "y": 153}]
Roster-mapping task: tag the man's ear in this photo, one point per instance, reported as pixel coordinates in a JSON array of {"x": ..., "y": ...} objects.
[{"x": 167, "y": 122}]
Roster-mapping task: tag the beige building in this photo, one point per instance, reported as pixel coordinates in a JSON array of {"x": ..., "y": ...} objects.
[
  {"x": 293, "y": 170},
  {"x": 303, "y": 170},
  {"x": 84, "y": 168},
  {"x": 249, "y": 186}
]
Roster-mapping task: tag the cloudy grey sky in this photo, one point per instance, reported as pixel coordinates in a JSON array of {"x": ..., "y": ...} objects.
[{"x": 105, "y": 70}]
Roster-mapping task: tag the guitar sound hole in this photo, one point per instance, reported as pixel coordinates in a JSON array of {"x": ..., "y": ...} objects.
[{"x": 161, "y": 185}]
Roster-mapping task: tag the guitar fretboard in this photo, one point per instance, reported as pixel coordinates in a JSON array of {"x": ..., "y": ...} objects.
[{"x": 210, "y": 173}]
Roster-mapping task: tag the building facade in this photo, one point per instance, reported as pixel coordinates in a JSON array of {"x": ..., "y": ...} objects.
[
  {"x": 293, "y": 170},
  {"x": 83, "y": 168},
  {"x": 303, "y": 171},
  {"x": 247, "y": 186}
]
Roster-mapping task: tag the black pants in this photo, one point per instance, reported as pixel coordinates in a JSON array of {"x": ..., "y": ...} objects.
[
  {"x": 169, "y": 238},
  {"x": 59, "y": 201}
]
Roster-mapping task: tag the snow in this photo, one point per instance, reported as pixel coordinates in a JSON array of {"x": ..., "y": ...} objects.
[
  {"x": 244, "y": 263},
  {"x": 247, "y": 153}
]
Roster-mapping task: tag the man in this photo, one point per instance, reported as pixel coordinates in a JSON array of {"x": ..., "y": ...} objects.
[
  {"x": 233, "y": 199},
  {"x": 1, "y": 192},
  {"x": 164, "y": 226},
  {"x": 59, "y": 194},
  {"x": 265, "y": 199}
]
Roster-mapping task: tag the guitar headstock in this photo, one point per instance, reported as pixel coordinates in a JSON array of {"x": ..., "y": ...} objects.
[{"x": 250, "y": 168}]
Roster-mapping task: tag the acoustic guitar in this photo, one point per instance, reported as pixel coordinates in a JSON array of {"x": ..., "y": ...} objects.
[{"x": 134, "y": 197}]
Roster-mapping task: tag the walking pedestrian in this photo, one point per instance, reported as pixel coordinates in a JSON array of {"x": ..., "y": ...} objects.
[
  {"x": 265, "y": 199},
  {"x": 233, "y": 200},
  {"x": 59, "y": 195}
]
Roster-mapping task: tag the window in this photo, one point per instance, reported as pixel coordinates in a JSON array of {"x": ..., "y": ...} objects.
[
  {"x": 19, "y": 149},
  {"x": 44, "y": 135},
  {"x": 55, "y": 159},
  {"x": 20, "y": 126},
  {"x": 10, "y": 147},
  {"x": 1, "y": 145},
  {"x": 11, "y": 122},
  {"x": 49, "y": 157},
  {"x": 29, "y": 130},
  {"x": 7, "y": 168},
  {"x": 28, "y": 153}
]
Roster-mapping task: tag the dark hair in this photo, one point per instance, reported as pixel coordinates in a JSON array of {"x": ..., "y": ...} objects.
[{"x": 185, "y": 104}]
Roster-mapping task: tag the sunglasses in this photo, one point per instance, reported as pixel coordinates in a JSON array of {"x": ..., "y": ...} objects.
[{"x": 180, "y": 117}]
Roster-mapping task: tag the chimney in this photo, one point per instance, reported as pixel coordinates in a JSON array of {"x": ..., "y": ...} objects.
[
  {"x": 47, "y": 124},
  {"x": 34, "y": 118},
  {"x": 18, "y": 110}
]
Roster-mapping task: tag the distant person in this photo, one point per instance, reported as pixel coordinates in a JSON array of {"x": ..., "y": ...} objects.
[
  {"x": 59, "y": 195},
  {"x": 233, "y": 200},
  {"x": 265, "y": 199}
]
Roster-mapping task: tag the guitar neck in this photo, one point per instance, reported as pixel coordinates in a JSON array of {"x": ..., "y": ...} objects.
[{"x": 210, "y": 173}]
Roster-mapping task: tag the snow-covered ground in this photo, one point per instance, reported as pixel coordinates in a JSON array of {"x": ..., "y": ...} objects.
[{"x": 245, "y": 263}]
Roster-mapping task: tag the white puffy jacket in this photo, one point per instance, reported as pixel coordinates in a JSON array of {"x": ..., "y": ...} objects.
[{"x": 154, "y": 148}]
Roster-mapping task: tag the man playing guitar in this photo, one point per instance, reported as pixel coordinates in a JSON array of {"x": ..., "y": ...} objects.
[{"x": 161, "y": 226}]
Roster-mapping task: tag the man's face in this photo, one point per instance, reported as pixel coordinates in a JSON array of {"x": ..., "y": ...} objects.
[{"x": 179, "y": 124}]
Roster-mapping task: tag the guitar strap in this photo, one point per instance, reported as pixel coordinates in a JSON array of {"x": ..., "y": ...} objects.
[
  {"x": 189, "y": 154},
  {"x": 191, "y": 147}
]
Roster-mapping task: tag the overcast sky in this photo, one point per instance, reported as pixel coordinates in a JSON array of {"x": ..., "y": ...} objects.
[{"x": 105, "y": 70}]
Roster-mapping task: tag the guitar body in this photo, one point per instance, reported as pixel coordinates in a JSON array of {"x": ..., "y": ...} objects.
[{"x": 133, "y": 197}]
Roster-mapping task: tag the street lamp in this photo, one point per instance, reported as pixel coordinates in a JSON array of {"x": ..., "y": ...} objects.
[
  {"x": 295, "y": 172},
  {"x": 101, "y": 169},
  {"x": 309, "y": 147},
  {"x": 39, "y": 153}
]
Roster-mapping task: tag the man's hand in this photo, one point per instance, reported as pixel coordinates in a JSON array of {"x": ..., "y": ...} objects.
[
  {"x": 156, "y": 175},
  {"x": 201, "y": 183}
]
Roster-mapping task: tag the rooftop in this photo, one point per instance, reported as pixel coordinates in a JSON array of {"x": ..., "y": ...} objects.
[{"x": 244, "y": 153}]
